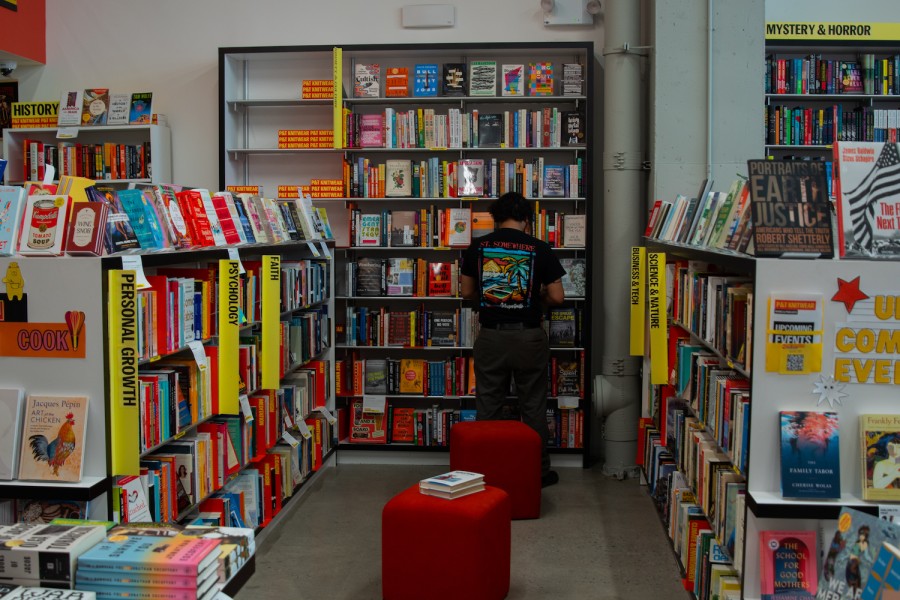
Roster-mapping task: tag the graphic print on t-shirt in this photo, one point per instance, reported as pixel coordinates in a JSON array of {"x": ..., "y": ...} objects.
[{"x": 506, "y": 277}]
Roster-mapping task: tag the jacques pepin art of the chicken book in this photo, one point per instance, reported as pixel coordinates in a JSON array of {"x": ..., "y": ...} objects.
[{"x": 53, "y": 438}]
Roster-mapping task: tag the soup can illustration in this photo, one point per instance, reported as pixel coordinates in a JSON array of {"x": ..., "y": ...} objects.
[{"x": 42, "y": 231}]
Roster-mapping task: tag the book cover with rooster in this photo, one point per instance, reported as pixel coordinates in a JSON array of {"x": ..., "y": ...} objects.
[{"x": 53, "y": 438}]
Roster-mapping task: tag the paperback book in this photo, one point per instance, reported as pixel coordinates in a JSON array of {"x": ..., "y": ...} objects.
[
  {"x": 397, "y": 178},
  {"x": 396, "y": 82},
  {"x": 880, "y": 451},
  {"x": 454, "y": 81},
  {"x": 141, "y": 112},
  {"x": 163, "y": 555},
  {"x": 454, "y": 484},
  {"x": 367, "y": 80},
  {"x": 119, "y": 107},
  {"x": 810, "y": 458},
  {"x": 575, "y": 280},
  {"x": 483, "y": 78},
  {"x": 540, "y": 79},
  {"x": 787, "y": 565},
  {"x": 95, "y": 106},
  {"x": 426, "y": 80},
  {"x": 53, "y": 437},
  {"x": 470, "y": 177},
  {"x": 513, "y": 80}
]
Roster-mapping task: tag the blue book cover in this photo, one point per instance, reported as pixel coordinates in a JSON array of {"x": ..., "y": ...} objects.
[
  {"x": 426, "y": 80},
  {"x": 132, "y": 202},
  {"x": 851, "y": 548},
  {"x": 810, "y": 461}
]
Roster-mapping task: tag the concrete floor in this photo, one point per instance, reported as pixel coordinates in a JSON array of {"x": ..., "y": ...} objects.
[{"x": 597, "y": 538}]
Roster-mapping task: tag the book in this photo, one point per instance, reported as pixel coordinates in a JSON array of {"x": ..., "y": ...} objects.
[
  {"x": 376, "y": 376},
  {"x": 454, "y": 81},
  {"x": 12, "y": 402},
  {"x": 367, "y": 80},
  {"x": 791, "y": 209},
  {"x": 366, "y": 427},
  {"x": 568, "y": 378},
  {"x": 574, "y": 282},
  {"x": 396, "y": 82},
  {"x": 885, "y": 574},
  {"x": 483, "y": 78},
  {"x": 397, "y": 178},
  {"x": 151, "y": 554},
  {"x": 412, "y": 376},
  {"x": 540, "y": 79},
  {"x": 810, "y": 465},
  {"x": 403, "y": 426},
  {"x": 513, "y": 80},
  {"x": 370, "y": 229},
  {"x": 44, "y": 225},
  {"x": 880, "y": 451},
  {"x": 460, "y": 227},
  {"x": 53, "y": 437},
  {"x": 119, "y": 235},
  {"x": 86, "y": 229},
  {"x": 399, "y": 279},
  {"x": 470, "y": 177},
  {"x": 866, "y": 191},
  {"x": 70, "y": 108},
  {"x": 11, "y": 591},
  {"x": 141, "y": 110},
  {"x": 95, "y": 106},
  {"x": 440, "y": 279},
  {"x": 850, "y": 549},
  {"x": 554, "y": 181},
  {"x": 119, "y": 107},
  {"x": 490, "y": 130},
  {"x": 574, "y": 233},
  {"x": 45, "y": 553},
  {"x": 482, "y": 223},
  {"x": 572, "y": 79},
  {"x": 404, "y": 228},
  {"x": 426, "y": 80},
  {"x": 454, "y": 484},
  {"x": 371, "y": 131},
  {"x": 369, "y": 277},
  {"x": 563, "y": 327},
  {"x": 787, "y": 565},
  {"x": 12, "y": 207},
  {"x": 442, "y": 328},
  {"x": 574, "y": 133}
]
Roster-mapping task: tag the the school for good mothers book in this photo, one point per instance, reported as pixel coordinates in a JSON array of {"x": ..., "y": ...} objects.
[
  {"x": 53, "y": 436},
  {"x": 787, "y": 565},
  {"x": 851, "y": 544},
  {"x": 810, "y": 458},
  {"x": 867, "y": 189},
  {"x": 880, "y": 452}
]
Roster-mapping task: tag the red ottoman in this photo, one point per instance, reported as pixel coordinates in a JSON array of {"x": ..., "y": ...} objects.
[
  {"x": 508, "y": 453},
  {"x": 445, "y": 549}
]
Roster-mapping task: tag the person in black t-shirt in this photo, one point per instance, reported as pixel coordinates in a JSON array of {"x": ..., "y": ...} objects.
[{"x": 513, "y": 275}]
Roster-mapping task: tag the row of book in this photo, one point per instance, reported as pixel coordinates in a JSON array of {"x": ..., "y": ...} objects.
[
  {"x": 422, "y": 127},
  {"x": 107, "y": 160},
  {"x": 827, "y": 125},
  {"x": 417, "y": 328},
  {"x": 711, "y": 219},
  {"x": 813, "y": 74},
  {"x": 434, "y": 227},
  {"x": 472, "y": 177},
  {"x": 475, "y": 78},
  {"x": 77, "y": 218},
  {"x": 97, "y": 106}
]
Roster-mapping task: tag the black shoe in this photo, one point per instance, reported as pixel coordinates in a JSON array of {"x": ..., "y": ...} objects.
[{"x": 549, "y": 478}]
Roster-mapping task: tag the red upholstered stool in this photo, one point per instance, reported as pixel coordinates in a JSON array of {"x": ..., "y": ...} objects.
[
  {"x": 445, "y": 549},
  {"x": 508, "y": 453}
]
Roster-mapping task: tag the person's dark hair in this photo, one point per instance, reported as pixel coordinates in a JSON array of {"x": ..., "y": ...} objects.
[{"x": 511, "y": 205}]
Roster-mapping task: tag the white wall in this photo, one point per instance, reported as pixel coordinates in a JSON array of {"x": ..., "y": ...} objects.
[
  {"x": 865, "y": 11},
  {"x": 170, "y": 47}
]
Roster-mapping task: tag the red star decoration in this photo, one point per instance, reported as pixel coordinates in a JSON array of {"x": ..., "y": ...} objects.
[{"x": 849, "y": 293}]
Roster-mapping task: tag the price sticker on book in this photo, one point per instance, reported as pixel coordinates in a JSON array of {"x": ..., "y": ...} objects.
[
  {"x": 303, "y": 428},
  {"x": 133, "y": 262},
  {"x": 327, "y": 414},
  {"x": 288, "y": 424},
  {"x": 199, "y": 354},
  {"x": 233, "y": 255},
  {"x": 66, "y": 133},
  {"x": 49, "y": 172},
  {"x": 245, "y": 408},
  {"x": 567, "y": 401},
  {"x": 326, "y": 252},
  {"x": 286, "y": 436},
  {"x": 313, "y": 249}
]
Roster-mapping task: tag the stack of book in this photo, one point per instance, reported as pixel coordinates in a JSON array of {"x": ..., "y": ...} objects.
[
  {"x": 454, "y": 484},
  {"x": 153, "y": 566},
  {"x": 15, "y": 592},
  {"x": 44, "y": 555}
]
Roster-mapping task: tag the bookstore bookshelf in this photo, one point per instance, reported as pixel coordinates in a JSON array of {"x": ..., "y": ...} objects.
[{"x": 405, "y": 148}]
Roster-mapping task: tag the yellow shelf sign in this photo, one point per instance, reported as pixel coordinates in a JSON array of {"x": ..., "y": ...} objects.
[
  {"x": 229, "y": 332},
  {"x": 638, "y": 300},
  {"x": 124, "y": 412},
  {"x": 656, "y": 296},
  {"x": 832, "y": 31},
  {"x": 271, "y": 320}
]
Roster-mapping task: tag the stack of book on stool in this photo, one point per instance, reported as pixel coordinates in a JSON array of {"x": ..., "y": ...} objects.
[
  {"x": 454, "y": 484},
  {"x": 151, "y": 567},
  {"x": 44, "y": 555}
]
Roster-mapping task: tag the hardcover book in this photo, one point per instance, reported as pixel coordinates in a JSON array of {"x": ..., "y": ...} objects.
[
  {"x": 404, "y": 228},
  {"x": 490, "y": 130},
  {"x": 371, "y": 131},
  {"x": 397, "y": 178},
  {"x": 95, "y": 106},
  {"x": 470, "y": 177},
  {"x": 376, "y": 376},
  {"x": 454, "y": 82},
  {"x": 426, "y": 80},
  {"x": 567, "y": 378},
  {"x": 880, "y": 452},
  {"x": 70, "y": 109},
  {"x": 403, "y": 426},
  {"x": 400, "y": 275},
  {"x": 12, "y": 401},
  {"x": 141, "y": 111},
  {"x": 44, "y": 225},
  {"x": 119, "y": 105},
  {"x": 850, "y": 549},
  {"x": 513, "y": 80},
  {"x": 440, "y": 275},
  {"x": 366, "y": 428},
  {"x": 142, "y": 219},
  {"x": 574, "y": 233},
  {"x": 483, "y": 78},
  {"x": 369, "y": 277},
  {"x": 396, "y": 82},
  {"x": 554, "y": 181},
  {"x": 412, "y": 376},
  {"x": 119, "y": 234},
  {"x": 572, "y": 79},
  {"x": 810, "y": 465},
  {"x": 370, "y": 229},
  {"x": 563, "y": 327},
  {"x": 540, "y": 79},
  {"x": 791, "y": 209},
  {"x": 86, "y": 229},
  {"x": 53, "y": 436},
  {"x": 574, "y": 123},
  {"x": 574, "y": 282},
  {"x": 442, "y": 328},
  {"x": 12, "y": 207},
  {"x": 367, "y": 80},
  {"x": 787, "y": 565},
  {"x": 460, "y": 230}
]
